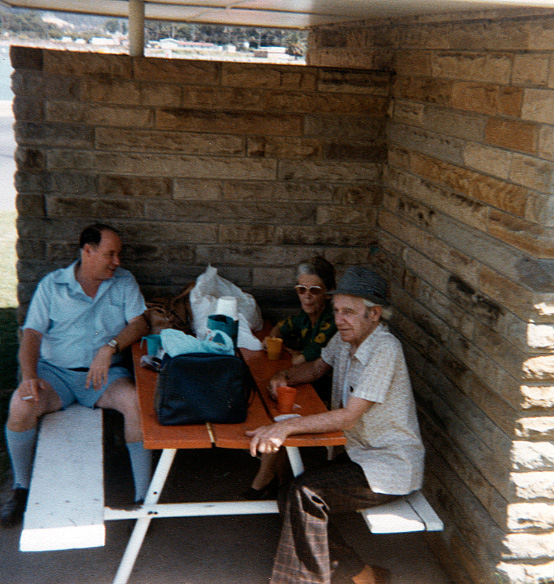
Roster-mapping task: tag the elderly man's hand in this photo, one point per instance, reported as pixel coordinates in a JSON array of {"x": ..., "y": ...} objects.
[
  {"x": 267, "y": 438},
  {"x": 29, "y": 389},
  {"x": 98, "y": 371}
]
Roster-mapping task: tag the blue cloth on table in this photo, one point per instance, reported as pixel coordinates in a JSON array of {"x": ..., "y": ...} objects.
[{"x": 175, "y": 342}]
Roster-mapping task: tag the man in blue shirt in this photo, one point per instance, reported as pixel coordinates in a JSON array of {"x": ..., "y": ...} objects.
[{"x": 80, "y": 319}]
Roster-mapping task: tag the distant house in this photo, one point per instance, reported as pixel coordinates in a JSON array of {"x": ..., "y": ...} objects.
[
  {"x": 265, "y": 52},
  {"x": 169, "y": 44},
  {"x": 103, "y": 41}
]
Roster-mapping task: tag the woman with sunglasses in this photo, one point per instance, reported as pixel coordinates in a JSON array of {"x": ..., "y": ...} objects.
[{"x": 304, "y": 335}]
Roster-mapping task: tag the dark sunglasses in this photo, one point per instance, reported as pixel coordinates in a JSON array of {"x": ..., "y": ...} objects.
[{"x": 314, "y": 290}]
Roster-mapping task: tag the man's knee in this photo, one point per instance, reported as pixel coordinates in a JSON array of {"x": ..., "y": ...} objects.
[
  {"x": 24, "y": 414},
  {"x": 120, "y": 395}
]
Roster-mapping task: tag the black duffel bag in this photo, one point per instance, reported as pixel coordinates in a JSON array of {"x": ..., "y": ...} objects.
[{"x": 203, "y": 387}]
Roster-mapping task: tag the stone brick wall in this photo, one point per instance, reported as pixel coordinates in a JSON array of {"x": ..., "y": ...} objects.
[
  {"x": 466, "y": 237},
  {"x": 247, "y": 167}
]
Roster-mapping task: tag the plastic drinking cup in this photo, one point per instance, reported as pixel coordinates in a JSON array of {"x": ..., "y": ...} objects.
[
  {"x": 221, "y": 322},
  {"x": 153, "y": 343},
  {"x": 285, "y": 399},
  {"x": 273, "y": 345}
]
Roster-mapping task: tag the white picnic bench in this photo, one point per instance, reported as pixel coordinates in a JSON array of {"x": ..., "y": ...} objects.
[{"x": 66, "y": 508}]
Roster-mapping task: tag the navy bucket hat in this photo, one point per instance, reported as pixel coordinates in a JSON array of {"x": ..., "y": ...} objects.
[{"x": 364, "y": 283}]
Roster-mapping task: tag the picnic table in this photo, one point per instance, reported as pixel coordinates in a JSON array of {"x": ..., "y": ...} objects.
[
  {"x": 169, "y": 439},
  {"x": 66, "y": 500}
]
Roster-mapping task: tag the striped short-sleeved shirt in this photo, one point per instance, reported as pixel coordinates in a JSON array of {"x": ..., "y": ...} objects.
[{"x": 386, "y": 441}]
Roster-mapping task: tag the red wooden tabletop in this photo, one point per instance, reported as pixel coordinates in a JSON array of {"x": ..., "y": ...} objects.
[
  {"x": 307, "y": 401},
  {"x": 261, "y": 411}
]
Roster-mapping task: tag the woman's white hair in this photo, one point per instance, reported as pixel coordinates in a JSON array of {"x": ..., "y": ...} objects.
[{"x": 386, "y": 311}]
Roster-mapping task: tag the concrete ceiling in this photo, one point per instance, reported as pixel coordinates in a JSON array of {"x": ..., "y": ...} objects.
[{"x": 298, "y": 14}]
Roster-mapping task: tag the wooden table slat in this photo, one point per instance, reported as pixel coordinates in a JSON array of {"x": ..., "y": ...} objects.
[
  {"x": 234, "y": 435},
  {"x": 307, "y": 401}
]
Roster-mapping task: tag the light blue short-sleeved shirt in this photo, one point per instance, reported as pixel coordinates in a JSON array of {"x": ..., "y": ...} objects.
[
  {"x": 385, "y": 441},
  {"x": 74, "y": 326}
]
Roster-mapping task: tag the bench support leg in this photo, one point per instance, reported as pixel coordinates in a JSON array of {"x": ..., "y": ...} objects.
[
  {"x": 141, "y": 525},
  {"x": 154, "y": 492}
]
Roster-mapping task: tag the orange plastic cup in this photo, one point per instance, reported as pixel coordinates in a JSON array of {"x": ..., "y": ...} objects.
[
  {"x": 285, "y": 399},
  {"x": 274, "y": 346}
]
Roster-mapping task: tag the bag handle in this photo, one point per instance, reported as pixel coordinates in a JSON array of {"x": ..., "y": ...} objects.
[{"x": 251, "y": 385}]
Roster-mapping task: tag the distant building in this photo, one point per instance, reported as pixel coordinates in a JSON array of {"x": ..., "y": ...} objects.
[
  {"x": 265, "y": 52},
  {"x": 169, "y": 44},
  {"x": 274, "y": 50},
  {"x": 103, "y": 41},
  {"x": 177, "y": 44}
]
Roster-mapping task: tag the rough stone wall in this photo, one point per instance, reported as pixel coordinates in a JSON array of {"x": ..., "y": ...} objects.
[
  {"x": 247, "y": 167},
  {"x": 466, "y": 236}
]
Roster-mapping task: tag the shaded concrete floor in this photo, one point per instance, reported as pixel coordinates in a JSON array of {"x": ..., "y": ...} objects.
[{"x": 211, "y": 550}]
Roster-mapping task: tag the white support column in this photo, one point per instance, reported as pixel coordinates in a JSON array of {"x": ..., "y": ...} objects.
[
  {"x": 295, "y": 460},
  {"x": 136, "y": 28}
]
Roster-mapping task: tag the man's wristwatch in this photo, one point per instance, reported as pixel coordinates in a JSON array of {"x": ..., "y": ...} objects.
[{"x": 113, "y": 343}]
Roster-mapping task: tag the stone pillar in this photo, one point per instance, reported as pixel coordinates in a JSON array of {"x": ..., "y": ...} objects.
[{"x": 136, "y": 28}]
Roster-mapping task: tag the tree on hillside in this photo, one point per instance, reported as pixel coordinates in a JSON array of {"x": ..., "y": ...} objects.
[
  {"x": 295, "y": 43},
  {"x": 27, "y": 23},
  {"x": 112, "y": 25}
]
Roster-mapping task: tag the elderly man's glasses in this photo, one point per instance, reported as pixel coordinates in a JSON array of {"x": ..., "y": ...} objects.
[{"x": 314, "y": 290}]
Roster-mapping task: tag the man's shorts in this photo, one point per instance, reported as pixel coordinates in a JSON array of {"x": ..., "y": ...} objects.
[{"x": 70, "y": 385}]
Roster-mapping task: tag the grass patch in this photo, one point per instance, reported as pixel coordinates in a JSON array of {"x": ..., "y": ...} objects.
[{"x": 8, "y": 258}]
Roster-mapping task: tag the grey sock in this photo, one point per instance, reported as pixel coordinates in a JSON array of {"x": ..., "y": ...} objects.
[
  {"x": 21, "y": 446},
  {"x": 141, "y": 462}
]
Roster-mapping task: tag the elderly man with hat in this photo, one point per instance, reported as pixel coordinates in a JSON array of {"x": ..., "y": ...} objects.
[{"x": 372, "y": 402}]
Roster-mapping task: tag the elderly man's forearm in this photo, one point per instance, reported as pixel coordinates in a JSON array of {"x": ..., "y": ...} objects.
[{"x": 331, "y": 421}]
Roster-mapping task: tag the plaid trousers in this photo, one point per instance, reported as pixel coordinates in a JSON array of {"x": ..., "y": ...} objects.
[{"x": 309, "y": 543}]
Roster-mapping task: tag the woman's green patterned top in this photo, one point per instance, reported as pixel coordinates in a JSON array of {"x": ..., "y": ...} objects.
[{"x": 299, "y": 335}]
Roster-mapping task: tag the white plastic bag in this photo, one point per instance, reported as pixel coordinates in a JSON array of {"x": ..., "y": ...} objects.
[{"x": 208, "y": 289}]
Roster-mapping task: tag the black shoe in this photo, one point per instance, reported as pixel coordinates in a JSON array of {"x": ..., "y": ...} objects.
[
  {"x": 14, "y": 508},
  {"x": 268, "y": 492}
]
